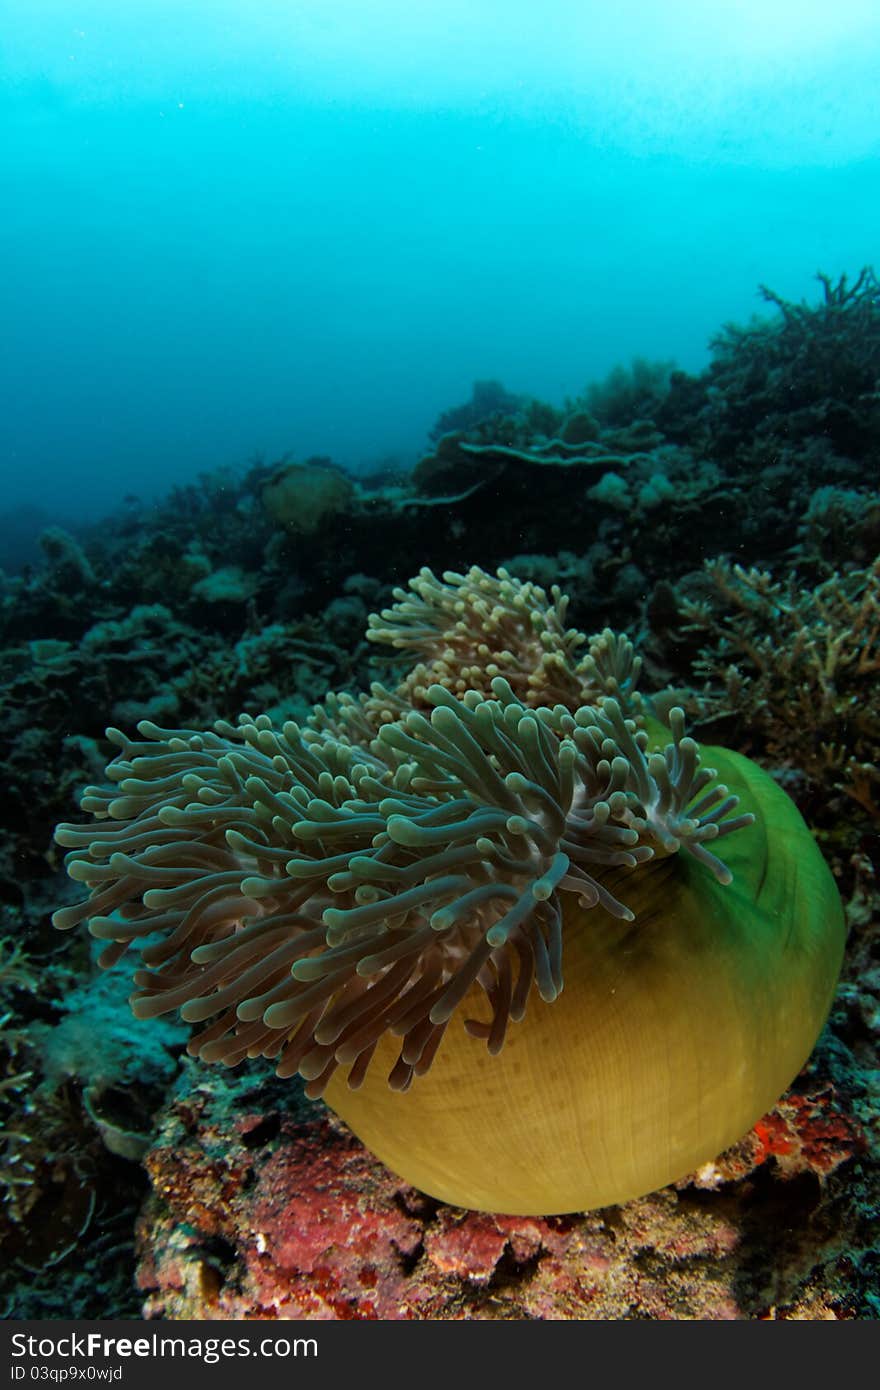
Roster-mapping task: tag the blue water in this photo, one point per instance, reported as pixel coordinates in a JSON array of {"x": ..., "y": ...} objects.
[{"x": 308, "y": 227}]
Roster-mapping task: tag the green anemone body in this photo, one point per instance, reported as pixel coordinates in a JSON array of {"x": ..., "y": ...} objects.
[{"x": 673, "y": 1035}]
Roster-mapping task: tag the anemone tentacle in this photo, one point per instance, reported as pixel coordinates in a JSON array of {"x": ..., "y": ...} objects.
[{"x": 314, "y": 893}]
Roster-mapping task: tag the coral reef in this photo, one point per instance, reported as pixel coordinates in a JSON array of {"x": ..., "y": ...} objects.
[
  {"x": 77, "y": 1097},
  {"x": 265, "y": 1206},
  {"x": 489, "y": 399},
  {"x": 811, "y": 373},
  {"x": 767, "y": 460},
  {"x": 628, "y": 394},
  {"x": 787, "y": 405},
  {"x": 791, "y": 672}
]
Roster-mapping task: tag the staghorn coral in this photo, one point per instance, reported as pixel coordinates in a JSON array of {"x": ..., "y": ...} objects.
[
  {"x": 319, "y": 896},
  {"x": 808, "y": 376},
  {"x": 797, "y": 668}
]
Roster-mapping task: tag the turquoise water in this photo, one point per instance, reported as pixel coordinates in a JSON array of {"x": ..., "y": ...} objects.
[{"x": 234, "y": 231}]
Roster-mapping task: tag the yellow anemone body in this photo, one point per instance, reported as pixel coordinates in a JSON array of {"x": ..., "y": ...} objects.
[{"x": 673, "y": 1035}]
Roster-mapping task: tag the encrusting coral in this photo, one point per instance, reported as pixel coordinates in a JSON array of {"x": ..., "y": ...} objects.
[{"x": 331, "y": 895}]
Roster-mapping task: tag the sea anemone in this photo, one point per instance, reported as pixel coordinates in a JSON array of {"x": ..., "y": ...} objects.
[{"x": 333, "y": 899}]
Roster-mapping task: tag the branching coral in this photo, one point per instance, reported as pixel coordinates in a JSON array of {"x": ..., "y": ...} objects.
[
  {"x": 323, "y": 897},
  {"x": 813, "y": 371},
  {"x": 629, "y": 393},
  {"x": 797, "y": 668}
]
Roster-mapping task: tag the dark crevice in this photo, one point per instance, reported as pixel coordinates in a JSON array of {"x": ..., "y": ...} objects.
[{"x": 263, "y": 1132}]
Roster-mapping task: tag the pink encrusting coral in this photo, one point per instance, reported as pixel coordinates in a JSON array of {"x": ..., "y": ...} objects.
[{"x": 258, "y": 1213}]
